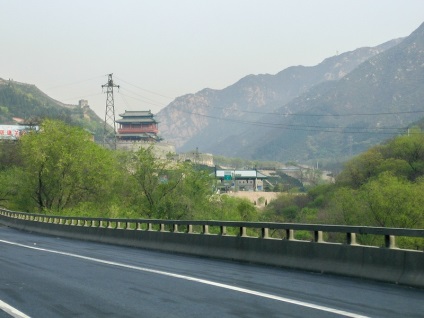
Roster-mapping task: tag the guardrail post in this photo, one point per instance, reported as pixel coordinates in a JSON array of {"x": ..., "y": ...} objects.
[
  {"x": 205, "y": 229},
  {"x": 243, "y": 231},
  {"x": 190, "y": 228},
  {"x": 351, "y": 239},
  {"x": 175, "y": 228},
  {"x": 223, "y": 230},
  {"x": 162, "y": 227},
  {"x": 390, "y": 241},
  {"x": 290, "y": 234},
  {"x": 318, "y": 237},
  {"x": 265, "y": 232}
]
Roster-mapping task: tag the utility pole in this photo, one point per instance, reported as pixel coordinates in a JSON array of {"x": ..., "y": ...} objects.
[{"x": 109, "y": 130}]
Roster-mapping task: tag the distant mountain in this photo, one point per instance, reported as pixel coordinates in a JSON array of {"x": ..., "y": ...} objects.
[
  {"x": 20, "y": 101},
  {"x": 377, "y": 100},
  {"x": 220, "y": 121}
]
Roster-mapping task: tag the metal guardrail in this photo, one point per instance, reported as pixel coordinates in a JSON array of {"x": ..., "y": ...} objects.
[{"x": 261, "y": 230}]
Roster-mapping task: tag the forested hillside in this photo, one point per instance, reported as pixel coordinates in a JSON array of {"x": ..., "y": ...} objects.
[
  {"x": 382, "y": 186},
  {"x": 27, "y": 102}
]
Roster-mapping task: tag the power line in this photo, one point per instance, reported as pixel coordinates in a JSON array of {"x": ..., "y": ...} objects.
[
  {"x": 143, "y": 89},
  {"x": 278, "y": 113},
  {"x": 140, "y": 98},
  {"x": 350, "y": 130},
  {"x": 316, "y": 115},
  {"x": 125, "y": 100},
  {"x": 75, "y": 83}
]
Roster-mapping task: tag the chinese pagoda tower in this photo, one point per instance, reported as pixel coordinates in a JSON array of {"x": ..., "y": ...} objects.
[{"x": 137, "y": 126}]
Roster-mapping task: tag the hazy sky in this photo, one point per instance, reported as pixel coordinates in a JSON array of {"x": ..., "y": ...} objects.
[{"x": 161, "y": 49}]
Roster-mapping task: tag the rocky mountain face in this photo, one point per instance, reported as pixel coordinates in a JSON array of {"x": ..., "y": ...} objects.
[
  {"x": 377, "y": 100},
  {"x": 229, "y": 120}
]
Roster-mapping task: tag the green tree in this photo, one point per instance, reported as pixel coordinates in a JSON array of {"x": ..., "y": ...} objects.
[
  {"x": 228, "y": 208},
  {"x": 408, "y": 151},
  {"x": 246, "y": 210},
  {"x": 358, "y": 170},
  {"x": 394, "y": 202},
  {"x": 10, "y": 154},
  {"x": 170, "y": 190},
  {"x": 63, "y": 167},
  {"x": 287, "y": 208},
  {"x": 345, "y": 207},
  {"x": 10, "y": 186}
]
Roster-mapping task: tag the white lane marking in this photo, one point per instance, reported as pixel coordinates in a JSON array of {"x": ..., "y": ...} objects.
[
  {"x": 197, "y": 280},
  {"x": 12, "y": 311}
]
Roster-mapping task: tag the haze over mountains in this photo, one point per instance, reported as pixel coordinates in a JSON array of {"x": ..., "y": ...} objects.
[
  {"x": 340, "y": 107},
  {"x": 335, "y": 109}
]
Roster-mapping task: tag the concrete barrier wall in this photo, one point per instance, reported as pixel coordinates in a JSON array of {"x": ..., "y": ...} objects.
[{"x": 391, "y": 265}]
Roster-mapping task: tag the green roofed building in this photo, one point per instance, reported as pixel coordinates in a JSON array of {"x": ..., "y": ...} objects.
[{"x": 240, "y": 180}]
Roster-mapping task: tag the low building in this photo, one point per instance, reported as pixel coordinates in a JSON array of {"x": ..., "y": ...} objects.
[{"x": 240, "y": 180}]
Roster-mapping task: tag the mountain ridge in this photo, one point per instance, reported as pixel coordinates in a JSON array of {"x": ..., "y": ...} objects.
[
  {"x": 207, "y": 118},
  {"x": 389, "y": 84}
]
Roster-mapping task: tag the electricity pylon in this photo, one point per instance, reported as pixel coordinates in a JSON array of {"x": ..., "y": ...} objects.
[{"x": 109, "y": 131}]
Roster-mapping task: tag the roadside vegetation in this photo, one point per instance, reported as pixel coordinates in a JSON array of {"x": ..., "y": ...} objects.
[
  {"x": 60, "y": 170},
  {"x": 381, "y": 187}
]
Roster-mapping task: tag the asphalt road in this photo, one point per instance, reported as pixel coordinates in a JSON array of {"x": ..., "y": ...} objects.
[{"x": 43, "y": 276}]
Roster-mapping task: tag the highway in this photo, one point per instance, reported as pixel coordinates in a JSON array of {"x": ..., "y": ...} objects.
[{"x": 45, "y": 276}]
